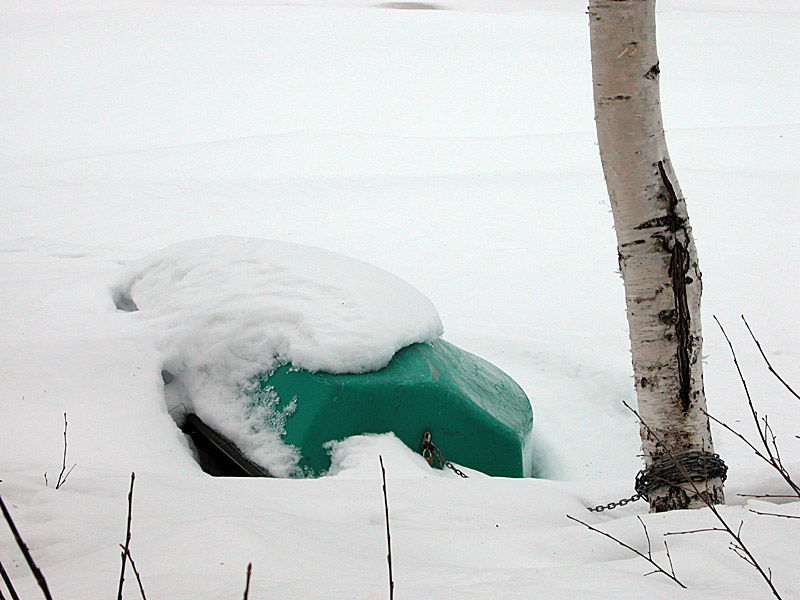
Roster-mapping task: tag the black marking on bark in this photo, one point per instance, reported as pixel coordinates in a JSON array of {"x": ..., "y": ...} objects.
[
  {"x": 632, "y": 243},
  {"x": 678, "y": 268},
  {"x": 676, "y": 498},
  {"x": 665, "y": 221},
  {"x": 653, "y": 72},
  {"x": 621, "y": 97},
  {"x": 668, "y": 317},
  {"x": 676, "y": 222}
]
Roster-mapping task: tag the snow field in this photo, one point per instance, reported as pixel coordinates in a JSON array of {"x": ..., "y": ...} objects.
[{"x": 452, "y": 148}]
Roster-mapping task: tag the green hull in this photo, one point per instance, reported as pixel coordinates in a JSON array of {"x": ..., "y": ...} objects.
[{"x": 477, "y": 415}]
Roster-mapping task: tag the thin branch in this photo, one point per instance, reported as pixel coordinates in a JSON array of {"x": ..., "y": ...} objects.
[
  {"x": 631, "y": 548},
  {"x": 61, "y": 479},
  {"x": 388, "y": 533},
  {"x": 72, "y": 468},
  {"x": 135, "y": 571},
  {"x": 739, "y": 551},
  {"x": 774, "y": 514},
  {"x": 126, "y": 547},
  {"x": 646, "y": 535},
  {"x": 771, "y": 461},
  {"x": 38, "y": 575},
  {"x": 695, "y": 531},
  {"x": 744, "y": 384},
  {"x": 772, "y": 456},
  {"x": 739, "y": 435},
  {"x": 766, "y": 360},
  {"x": 772, "y": 438},
  {"x": 247, "y": 582},
  {"x": 704, "y": 497},
  {"x": 669, "y": 558},
  {"x": 766, "y": 495},
  {"x": 8, "y": 583}
]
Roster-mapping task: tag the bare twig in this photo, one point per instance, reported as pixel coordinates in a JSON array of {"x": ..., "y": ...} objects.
[
  {"x": 7, "y": 581},
  {"x": 650, "y": 550},
  {"x": 772, "y": 461},
  {"x": 649, "y": 559},
  {"x": 669, "y": 558},
  {"x": 770, "y": 455},
  {"x": 772, "y": 438},
  {"x": 37, "y": 573},
  {"x": 125, "y": 548},
  {"x": 69, "y": 472},
  {"x": 62, "y": 478},
  {"x": 739, "y": 435},
  {"x": 774, "y": 514},
  {"x": 738, "y": 543},
  {"x": 135, "y": 571},
  {"x": 766, "y": 360},
  {"x": 388, "y": 533},
  {"x": 766, "y": 495},
  {"x": 247, "y": 582},
  {"x": 695, "y": 531},
  {"x": 744, "y": 384},
  {"x": 646, "y": 535}
]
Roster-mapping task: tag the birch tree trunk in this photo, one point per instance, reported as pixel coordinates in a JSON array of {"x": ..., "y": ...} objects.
[{"x": 657, "y": 255}]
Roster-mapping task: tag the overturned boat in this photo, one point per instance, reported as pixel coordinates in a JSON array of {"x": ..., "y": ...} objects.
[
  {"x": 476, "y": 415},
  {"x": 281, "y": 349}
]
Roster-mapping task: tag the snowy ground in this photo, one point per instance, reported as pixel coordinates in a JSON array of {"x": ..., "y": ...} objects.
[{"x": 453, "y": 148}]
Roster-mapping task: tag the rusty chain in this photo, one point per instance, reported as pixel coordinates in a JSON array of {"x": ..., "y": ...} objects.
[
  {"x": 695, "y": 465},
  {"x": 431, "y": 452}
]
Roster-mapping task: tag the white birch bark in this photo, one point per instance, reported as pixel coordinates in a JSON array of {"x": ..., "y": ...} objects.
[{"x": 657, "y": 255}]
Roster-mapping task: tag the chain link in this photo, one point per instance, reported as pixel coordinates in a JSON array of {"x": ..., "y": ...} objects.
[
  {"x": 696, "y": 465},
  {"x": 430, "y": 451},
  {"x": 613, "y": 505}
]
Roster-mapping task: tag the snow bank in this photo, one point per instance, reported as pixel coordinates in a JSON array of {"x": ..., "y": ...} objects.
[{"x": 225, "y": 309}]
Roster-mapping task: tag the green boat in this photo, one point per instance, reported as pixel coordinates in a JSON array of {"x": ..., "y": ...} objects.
[{"x": 476, "y": 415}]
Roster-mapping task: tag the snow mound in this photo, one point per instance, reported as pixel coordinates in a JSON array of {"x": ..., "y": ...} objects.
[
  {"x": 222, "y": 310},
  {"x": 250, "y": 305},
  {"x": 357, "y": 457}
]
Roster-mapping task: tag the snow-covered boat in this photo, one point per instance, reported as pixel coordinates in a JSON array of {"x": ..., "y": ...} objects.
[
  {"x": 274, "y": 350},
  {"x": 476, "y": 415}
]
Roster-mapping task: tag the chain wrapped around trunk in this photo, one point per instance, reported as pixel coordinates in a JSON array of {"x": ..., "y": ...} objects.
[
  {"x": 431, "y": 452},
  {"x": 697, "y": 465}
]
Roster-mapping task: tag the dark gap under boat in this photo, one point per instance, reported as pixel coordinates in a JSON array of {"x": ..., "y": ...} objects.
[{"x": 216, "y": 454}]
